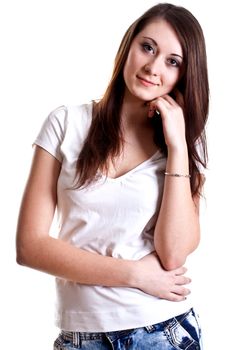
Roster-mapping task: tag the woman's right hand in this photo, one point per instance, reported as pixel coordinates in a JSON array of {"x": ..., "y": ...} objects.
[{"x": 153, "y": 279}]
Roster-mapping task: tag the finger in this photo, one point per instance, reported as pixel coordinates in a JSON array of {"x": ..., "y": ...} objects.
[
  {"x": 181, "y": 280},
  {"x": 153, "y": 112},
  {"x": 153, "y": 109},
  {"x": 164, "y": 101},
  {"x": 157, "y": 106},
  {"x": 175, "y": 297},
  {"x": 175, "y": 101},
  {"x": 182, "y": 291},
  {"x": 180, "y": 271},
  {"x": 170, "y": 100}
]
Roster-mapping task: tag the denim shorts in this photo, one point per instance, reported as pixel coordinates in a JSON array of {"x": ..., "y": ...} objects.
[{"x": 180, "y": 332}]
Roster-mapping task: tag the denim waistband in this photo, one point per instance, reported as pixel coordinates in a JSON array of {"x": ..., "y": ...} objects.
[
  {"x": 73, "y": 336},
  {"x": 77, "y": 337}
]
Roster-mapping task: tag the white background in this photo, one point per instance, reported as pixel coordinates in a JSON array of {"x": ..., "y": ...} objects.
[{"x": 56, "y": 52}]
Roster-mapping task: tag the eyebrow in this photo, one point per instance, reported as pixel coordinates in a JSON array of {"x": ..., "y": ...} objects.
[{"x": 155, "y": 43}]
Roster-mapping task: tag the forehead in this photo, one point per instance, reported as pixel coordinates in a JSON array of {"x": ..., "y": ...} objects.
[{"x": 163, "y": 34}]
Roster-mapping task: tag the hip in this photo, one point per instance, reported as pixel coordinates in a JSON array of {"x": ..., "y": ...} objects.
[{"x": 180, "y": 332}]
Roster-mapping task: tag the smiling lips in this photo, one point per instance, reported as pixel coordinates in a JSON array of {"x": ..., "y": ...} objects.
[{"x": 146, "y": 82}]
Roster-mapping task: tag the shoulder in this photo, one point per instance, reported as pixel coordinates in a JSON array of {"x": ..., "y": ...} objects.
[
  {"x": 75, "y": 114},
  {"x": 79, "y": 115},
  {"x": 66, "y": 126}
]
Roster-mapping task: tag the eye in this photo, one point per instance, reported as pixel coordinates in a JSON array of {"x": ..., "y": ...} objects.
[
  {"x": 173, "y": 62},
  {"x": 148, "y": 48}
]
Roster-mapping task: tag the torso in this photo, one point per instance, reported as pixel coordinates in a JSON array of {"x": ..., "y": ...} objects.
[{"x": 111, "y": 217}]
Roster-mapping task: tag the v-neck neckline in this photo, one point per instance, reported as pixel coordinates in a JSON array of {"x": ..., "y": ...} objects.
[{"x": 121, "y": 177}]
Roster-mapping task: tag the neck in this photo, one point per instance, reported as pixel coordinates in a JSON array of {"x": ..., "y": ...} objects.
[{"x": 134, "y": 113}]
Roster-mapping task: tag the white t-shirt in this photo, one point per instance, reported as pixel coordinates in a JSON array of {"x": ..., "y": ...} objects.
[{"x": 113, "y": 217}]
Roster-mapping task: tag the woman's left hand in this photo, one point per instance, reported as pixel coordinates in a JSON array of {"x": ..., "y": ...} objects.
[{"x": 171, "y": 112}]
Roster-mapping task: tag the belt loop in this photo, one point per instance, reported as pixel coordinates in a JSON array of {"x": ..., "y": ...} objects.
[
  {"x": 150, "y": 328},
  {"x": 77, "y": 340}
]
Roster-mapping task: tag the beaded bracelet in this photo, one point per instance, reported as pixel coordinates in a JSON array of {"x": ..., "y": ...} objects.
[{"x": 177, "y": 175}]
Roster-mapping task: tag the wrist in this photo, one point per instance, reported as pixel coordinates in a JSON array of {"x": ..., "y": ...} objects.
[
  {"x": 132, "y": 280},
  {"x": 178, "y": 161},
  {"x": 136, "y": 275},
  {"x": 125, "y": 273},
  {"x": 178, "y": 149}
]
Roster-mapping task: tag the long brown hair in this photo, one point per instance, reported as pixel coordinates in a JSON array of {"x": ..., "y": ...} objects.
[{"x": 104, "y": 140}]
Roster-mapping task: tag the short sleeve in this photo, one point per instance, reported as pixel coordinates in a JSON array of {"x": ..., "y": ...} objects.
[{"x": 52, "y": 132}]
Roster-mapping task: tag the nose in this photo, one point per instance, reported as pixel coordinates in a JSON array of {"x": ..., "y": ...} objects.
[{"x": 155, "y": 66}]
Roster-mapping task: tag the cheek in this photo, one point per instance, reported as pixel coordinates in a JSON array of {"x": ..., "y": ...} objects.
[
  {"x": 129, "y": 70},
  {"x": 126, "y": 72},
  {"x": 172, "y": 80},
  {"x": 133, "y": 63}
]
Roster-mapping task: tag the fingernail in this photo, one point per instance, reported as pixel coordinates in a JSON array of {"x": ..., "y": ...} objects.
[{"x": 150, "y": 113}]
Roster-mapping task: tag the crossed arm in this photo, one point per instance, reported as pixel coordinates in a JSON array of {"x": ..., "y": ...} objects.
[{"x": 38, "y": 250}]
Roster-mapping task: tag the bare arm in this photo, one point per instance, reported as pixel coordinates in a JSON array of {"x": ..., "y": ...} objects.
[
  {"x": 38, "y": 250},
  {"x": 177, "y": 230}
]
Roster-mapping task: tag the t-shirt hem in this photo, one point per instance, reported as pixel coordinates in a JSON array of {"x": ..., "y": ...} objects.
[
  {"x": 119, "y": 319},
  {"x": 48, "y": 149}
]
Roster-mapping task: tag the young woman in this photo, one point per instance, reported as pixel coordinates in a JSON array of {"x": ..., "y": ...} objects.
[{"x": 124, "y": 175}]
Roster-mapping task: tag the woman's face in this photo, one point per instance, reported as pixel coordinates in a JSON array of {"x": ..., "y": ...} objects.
[{"x": 155, "y": 62}]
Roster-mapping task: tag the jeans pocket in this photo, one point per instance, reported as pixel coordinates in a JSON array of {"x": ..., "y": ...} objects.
[{"x": 184, "y": 333}]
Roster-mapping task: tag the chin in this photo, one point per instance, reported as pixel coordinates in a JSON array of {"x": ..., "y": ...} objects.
[
  {"x": 144, "y": 96},
  {"x": 150, "y": 97}
]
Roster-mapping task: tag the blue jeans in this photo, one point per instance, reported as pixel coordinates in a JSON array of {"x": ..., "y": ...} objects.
[{"x": 180, "y": 332}]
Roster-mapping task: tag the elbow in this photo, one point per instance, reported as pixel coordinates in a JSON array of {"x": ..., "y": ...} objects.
[
  {"x": 173, "y": 256},
  {"x": 29, "y": 252},
  {"x": 172, "y": 262},
  {"x": 21, "y": 255},
  {"x": 25, "y": 253}
]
